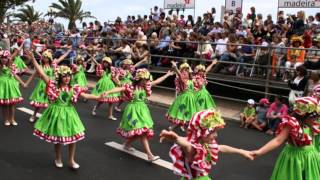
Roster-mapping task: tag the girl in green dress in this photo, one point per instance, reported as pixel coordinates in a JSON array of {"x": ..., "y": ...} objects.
[
  {"x": 184, "y": 106},
  {"x": 18, "y": 61},
  {"x": 203, "y": 97},
  {"x": 60, "y": 123},
  {"x": 299, "y": 159},
  {"x": 79, "y": 76},
  {"x": 316, "y": 94},
  {"x": 10, "y": 94},
  {"x": 38, "y": 98},
  {"x": 125, "y": 77},
  {"x": 194, "y": 155},
  {"x": 136, "y": 121},
  {"x": 108, "y": 80}
]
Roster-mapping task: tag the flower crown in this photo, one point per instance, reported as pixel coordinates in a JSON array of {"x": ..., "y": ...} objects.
[
  {"x": 306, "y": 105},
  {"x": 212, "y": 120},
  {"x": 107, "y": 59},
  {"x": 185, "y": 66},
  {"x": 63, "y": 71},
  {"x": 127, "y": 62},
  {"x": 79, "y": 58},
  {"x": 199, "y": 67},
  {"x": 47, "y": 54},
  {"x": 143, "y": 74}
]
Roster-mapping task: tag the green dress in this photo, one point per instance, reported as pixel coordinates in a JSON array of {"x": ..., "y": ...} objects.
[
  {"x": 300, "y": 161},
  {"x": 203, "y": 97},
  {"x": 21, "y": 66},
  {"x": 127, "y": 77},
  {"x": 9, "y": 87},
  {"x": 104, "y": 84},
  {"x": 60, "y": 123},
  {"x": 184, "y": 106},
  {"x": 136, "y": 118},
  {"x": 80, "y": 77},
  {"x": 39, "y": 98},
  {"x": 317, "y": 140}
]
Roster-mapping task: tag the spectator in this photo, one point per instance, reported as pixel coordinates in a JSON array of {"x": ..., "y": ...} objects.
[
  {"x": 124, "y": 52},
  {"x": 298, "y": 84},
  {"x": 313, "y": 56},
  {"x": 275, "y": 113},
  {"x": 204, "y": 49},
  {"x": 278, "y": 54},
  {"x": 155, "y": 13},
  {"x": 295, "y": 57},
  {"x": 312, "y": 82},
  {"x": 261, "y": 120},
  {"x": 248, "y": 114}
]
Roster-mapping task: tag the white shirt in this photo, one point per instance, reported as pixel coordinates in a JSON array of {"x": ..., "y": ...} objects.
[{"x": 221, "y": 48}]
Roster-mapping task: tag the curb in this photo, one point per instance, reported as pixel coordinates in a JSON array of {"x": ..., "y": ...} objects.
[{"x": 164, "y": 105}]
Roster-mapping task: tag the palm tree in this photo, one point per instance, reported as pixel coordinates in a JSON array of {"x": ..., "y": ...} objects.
[
  {"x": 70, "y": 9},
  {"x": 28, "y": 14}
]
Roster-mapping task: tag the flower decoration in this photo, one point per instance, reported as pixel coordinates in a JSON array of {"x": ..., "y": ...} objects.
[
  {"x": 107, "y": 59},
  {"x": 47, "y": 54},
  {"x": 199, "y": 67},
  {"x": 63, "y": 71},
  {"x": 143, "y": 74},
  {"x": 306, "y": 105}
]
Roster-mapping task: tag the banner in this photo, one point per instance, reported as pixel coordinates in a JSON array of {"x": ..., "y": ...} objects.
[
  {"x": 299, "y": 4},
  {"x": 179, "y": 4},
  {"x": 233, "y": 5}
]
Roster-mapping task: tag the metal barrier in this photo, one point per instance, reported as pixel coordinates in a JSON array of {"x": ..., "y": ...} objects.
[{"x": 213, "y": 78}]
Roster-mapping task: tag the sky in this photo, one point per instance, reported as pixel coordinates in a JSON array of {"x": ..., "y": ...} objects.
[{"x": 105, "y": 10}]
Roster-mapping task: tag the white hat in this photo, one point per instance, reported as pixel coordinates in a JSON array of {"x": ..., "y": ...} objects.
[{"x": 250, "y": 101}]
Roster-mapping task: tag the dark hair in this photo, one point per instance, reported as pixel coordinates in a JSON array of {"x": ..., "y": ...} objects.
[{"x": 302, "y": 69}]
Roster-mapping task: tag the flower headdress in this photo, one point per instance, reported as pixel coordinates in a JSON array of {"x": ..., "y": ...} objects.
[
  {"x": 127, "y": 62},
  {"x": 185, "y": 65},
  {"x": 306, "y": 105},
  {"x": 107, "y": 59},
  {"x": 199, "y": 67},
  {"x": 143, "y": 74},
  {"x": 47, "y": 54},
  {"x": 203, "y": 123},
  {"x": 62, "y": 71}
]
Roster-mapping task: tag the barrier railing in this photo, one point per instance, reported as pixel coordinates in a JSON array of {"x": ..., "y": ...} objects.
[{"x": 266, "y": 82}]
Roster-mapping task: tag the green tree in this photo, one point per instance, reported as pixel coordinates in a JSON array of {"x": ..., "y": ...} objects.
[
  {"x": 28, "y": 14},
  {"x": 8, "y": 4},
  {"x": 71, "y": 10}
]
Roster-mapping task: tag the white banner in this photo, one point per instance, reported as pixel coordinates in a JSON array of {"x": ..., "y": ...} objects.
[
  {"x": 299, "y": 3},
  {"x": 233, "y": 5},
  {"x": 179, "y": 4}
]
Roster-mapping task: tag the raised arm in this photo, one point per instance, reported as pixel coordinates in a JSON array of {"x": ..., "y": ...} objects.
[
  {"x": 16, "y": 52},
  {"x": 214, "y": 62},
  {"x": 175, "y": 68},
  {"x": 31, "y": 78},
  {"x": 93, "y": 59},
  {"x": 162, "y": 78},
  {"x": 38, "y": 67},
  {"x": 61, "y": 58},
  {"x": 274, "y": 143}
]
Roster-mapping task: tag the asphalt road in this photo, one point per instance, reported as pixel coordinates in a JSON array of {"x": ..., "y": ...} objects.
[{"x": 24, "y": 156}]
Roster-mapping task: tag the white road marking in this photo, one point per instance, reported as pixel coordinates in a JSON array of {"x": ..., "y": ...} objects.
[
  {"x": 140, "y": 155},
  {"x": 118, "y": 146},
  {"x": 28, "y": 111}
]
